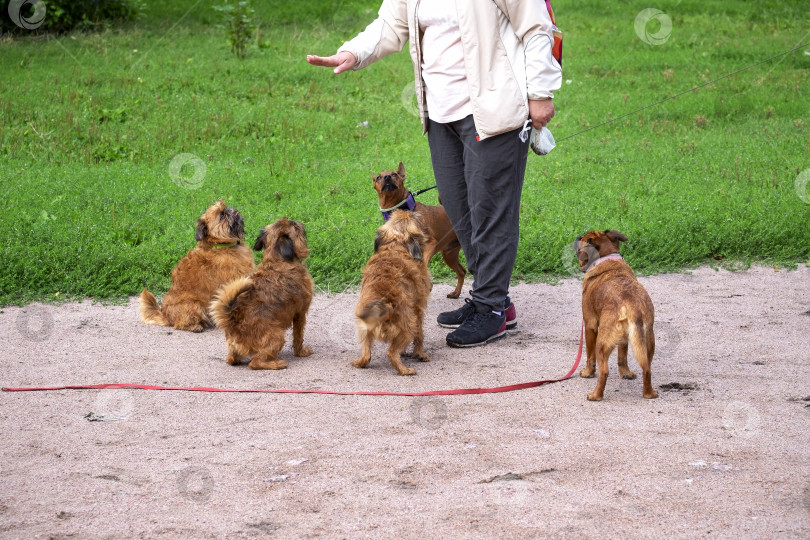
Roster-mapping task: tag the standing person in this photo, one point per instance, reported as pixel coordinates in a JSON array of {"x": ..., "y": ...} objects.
[{"x": 481, "y": 68}]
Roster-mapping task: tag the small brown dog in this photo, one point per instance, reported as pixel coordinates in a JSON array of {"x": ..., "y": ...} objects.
[
  {"x": 219, "y": 257},
  {"x": 439, "y": 234},
  {"x": 616, "y": 309},
  {"x": 394, "y": 292},
  {"x": 256, "y": 311}
]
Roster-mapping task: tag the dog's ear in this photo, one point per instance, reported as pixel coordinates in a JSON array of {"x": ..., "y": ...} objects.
[
  {"x": 401, "y": 170},
  {"x": 201, "y": 232},
  {"x": 615, "y": 236},
  {"x": 285, "y": 248},
  {"x": 299, "y": 241},
  {"x": 259, "y": 244},
  {"x": 415, "y": 249}
]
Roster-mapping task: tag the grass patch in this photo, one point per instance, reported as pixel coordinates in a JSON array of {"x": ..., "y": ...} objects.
[{"x": 89, "y": 124}]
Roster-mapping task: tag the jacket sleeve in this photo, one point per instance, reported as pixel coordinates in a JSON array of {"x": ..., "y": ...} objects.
[
  {"x": 532, "y": 25},
  {"x": 386, "y": 35}
]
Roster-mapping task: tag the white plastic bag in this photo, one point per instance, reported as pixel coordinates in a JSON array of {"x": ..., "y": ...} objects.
[{"x": 542, "y": 141}]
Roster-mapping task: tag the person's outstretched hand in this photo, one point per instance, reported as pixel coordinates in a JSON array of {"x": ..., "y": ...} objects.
[{"x": 342, "y": 61}]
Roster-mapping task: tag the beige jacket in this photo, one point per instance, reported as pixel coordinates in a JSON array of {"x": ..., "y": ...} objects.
[{"x": 507, "y": 55}]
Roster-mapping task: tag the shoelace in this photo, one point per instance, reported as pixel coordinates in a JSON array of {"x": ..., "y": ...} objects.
[
  {"x": 478, "y": 319},
  {"x": 465, "y": 309}
]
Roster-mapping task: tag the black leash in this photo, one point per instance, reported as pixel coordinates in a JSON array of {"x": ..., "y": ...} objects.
[{"x": 415, "y": 193}]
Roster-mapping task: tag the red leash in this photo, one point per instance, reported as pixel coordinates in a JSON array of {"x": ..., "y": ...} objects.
[{"x": 510, "y": 388}]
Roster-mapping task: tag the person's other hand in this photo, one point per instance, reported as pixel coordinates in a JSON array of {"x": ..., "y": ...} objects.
[
  {"x": 342, "y": 61},
  {"x": 541, "y": 112}
]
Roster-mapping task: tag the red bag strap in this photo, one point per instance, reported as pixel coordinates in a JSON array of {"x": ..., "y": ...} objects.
[{"x": 550, "y": 11}]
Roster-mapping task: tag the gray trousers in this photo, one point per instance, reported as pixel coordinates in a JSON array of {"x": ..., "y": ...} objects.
[{"x": 480, "y": 183}]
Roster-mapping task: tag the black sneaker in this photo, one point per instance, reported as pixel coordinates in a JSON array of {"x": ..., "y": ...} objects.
[
  {"x": 453, "y": 319},
  {"x": 479, "y": 329}
]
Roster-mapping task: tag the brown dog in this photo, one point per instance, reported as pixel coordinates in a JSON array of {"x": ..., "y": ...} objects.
[
  {"x": 394, "y": 292},
  {"x": 439, "y": 234},
  {"x": 256, "y": 311},
  {"x": 219, "y": 257},
  {"x": 616, "y": 310}
]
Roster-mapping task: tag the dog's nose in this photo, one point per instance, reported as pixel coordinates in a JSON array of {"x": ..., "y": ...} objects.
[{"x": 387, "y": 178}]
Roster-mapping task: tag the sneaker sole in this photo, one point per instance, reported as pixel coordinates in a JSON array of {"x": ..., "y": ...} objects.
[
  {"x": 496, "y": 337},
  {"x": 449, "y": 325},
  {"x": 511, "y": 325}
]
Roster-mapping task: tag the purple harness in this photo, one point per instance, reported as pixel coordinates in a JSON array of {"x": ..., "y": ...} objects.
[{"x": 409, "y": 203}]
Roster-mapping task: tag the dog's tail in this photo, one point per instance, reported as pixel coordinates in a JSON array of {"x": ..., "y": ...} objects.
[
  {"x": 374, "y": 311},
  {"x": 226, "y": 300},
  {"x": 150, "y": 310},
  {"x": 642, "y": 340},
  {"x": 370, "y": 317}
]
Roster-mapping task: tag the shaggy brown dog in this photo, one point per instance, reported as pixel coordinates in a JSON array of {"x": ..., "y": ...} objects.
[
  {"x": 256, "y": 311},
  {"x": 394, "y": 292},
  {"x": 616, "y": 309},
  {"x": 219, "y": 257},
  {"x": 439, "y": 234}
]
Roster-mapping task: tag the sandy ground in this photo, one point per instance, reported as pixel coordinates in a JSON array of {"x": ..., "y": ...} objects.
[{"x": 724, "y": 452}]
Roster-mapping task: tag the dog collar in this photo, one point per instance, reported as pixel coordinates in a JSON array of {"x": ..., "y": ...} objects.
[
  {"x": 600, "y": 260},
  {"x": 409, "y": 201},
  {"x": 225, "y": 245}
]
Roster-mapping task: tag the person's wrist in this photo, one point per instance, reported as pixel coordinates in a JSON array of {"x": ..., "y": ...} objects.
[{"x": 349, "y": 55}]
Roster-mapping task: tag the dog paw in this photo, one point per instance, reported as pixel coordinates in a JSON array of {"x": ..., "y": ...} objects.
[
  {"x": 303, "y": 353},
  {"x": 587, "y": 373},
  {"x": 361, "y": 363},
  {"x": 419, "y": 354},
  {"x": 651, "y": 395},
  {"x": 593, "y": 397},
  {"x": 628, "y": 374},
  {"x": 407, "y": 371},
  {"x": 453, "y": 294},
  {"x": 232, "y": 360},
  {"x": 272, "y": 364}
]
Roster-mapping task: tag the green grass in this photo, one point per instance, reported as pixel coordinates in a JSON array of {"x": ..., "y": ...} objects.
[{"x": 89, "y": 124}]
